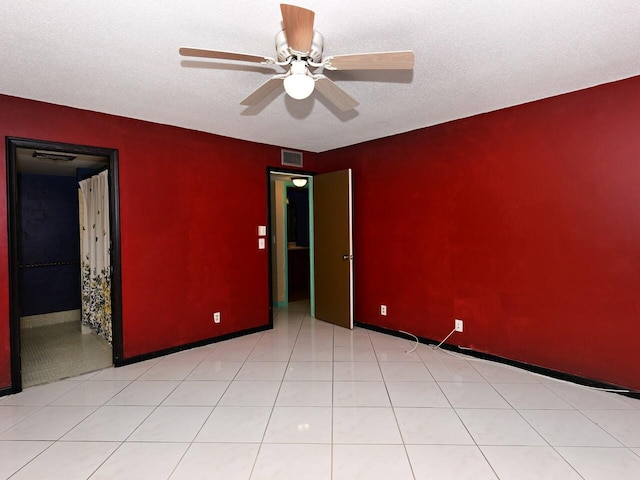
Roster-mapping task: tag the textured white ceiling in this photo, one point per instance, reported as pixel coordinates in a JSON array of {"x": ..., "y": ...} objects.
[{"x": 472, "y": 56}]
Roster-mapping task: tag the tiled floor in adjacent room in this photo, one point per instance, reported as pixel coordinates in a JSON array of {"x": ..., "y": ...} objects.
[
  {"x": 307, "y": 400},
  {"x": 61, "y": 350}
]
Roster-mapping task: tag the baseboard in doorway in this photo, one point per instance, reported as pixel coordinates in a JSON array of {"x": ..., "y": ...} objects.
[
  {"x": 6, "y": 391},
  {"x": 40, "y": 320}
]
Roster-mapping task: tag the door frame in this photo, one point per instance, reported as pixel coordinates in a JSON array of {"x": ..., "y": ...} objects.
[
  {"x": 293, "y": 172},
  {"x": 12, "y": 144}
]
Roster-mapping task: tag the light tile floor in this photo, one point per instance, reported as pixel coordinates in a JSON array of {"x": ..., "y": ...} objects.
[{"x": 307, "y": 400}]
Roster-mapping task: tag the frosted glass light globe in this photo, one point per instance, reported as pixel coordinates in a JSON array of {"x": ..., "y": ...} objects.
[{"x": 298, "y": 84}]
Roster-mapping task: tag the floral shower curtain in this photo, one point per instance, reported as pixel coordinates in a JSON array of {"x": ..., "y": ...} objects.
[{"x": 95, "y": 254}]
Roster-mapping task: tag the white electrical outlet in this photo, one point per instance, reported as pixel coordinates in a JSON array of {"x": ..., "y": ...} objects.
[
  {"x": 216, "y": 317},
  {"x": 383, "y": 310},
  {"x": 459, "y": 325}
]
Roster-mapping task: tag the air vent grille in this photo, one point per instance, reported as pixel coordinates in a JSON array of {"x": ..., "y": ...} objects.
[
  {"x": 53, "y": 156},
  {"x": 291, "y": 158}
]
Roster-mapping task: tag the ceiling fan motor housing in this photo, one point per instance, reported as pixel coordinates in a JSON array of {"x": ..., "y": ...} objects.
[{"x": 284, "y": 52}]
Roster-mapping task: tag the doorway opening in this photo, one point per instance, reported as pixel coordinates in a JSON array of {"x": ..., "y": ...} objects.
[
  {"x": 45, "y": 183},
  {"x": 330, "y": 256},
  {"x": 290, "y": 240}
]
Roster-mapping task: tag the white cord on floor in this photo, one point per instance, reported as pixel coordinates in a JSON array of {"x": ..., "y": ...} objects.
[
  {"x": 559, "y": 380},
  {"x": 467, "y": 357},
  {"x": 445, "y": 338},
  {"x": 417, "y": 341}
]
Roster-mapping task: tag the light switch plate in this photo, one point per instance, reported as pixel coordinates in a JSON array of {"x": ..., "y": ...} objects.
[
  {"x": 262, "y": 230},
  {"x": 261, "y": 244}
]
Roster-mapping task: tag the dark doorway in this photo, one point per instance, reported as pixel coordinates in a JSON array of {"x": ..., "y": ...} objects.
[
  {"x": 298, "y": 268},
  {"x": 289, "y": 245},
  {"x": 39, "y": 179},
  {"x": 329, "y": 227}
]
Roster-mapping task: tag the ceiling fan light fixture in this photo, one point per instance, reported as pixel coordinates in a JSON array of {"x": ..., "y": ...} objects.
[
  {"x": 298, "y": 84},
  {"x": 300, "y": 47}
]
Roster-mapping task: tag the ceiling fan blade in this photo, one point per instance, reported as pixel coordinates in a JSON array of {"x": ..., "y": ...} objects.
[
  {"x": 298, "y": 27},
  {"x": 335, "y": 94},
  {"x": 241, "y": 57},
  {"x": 372, "y": 61},
  {"x": 263, "y": 91}
]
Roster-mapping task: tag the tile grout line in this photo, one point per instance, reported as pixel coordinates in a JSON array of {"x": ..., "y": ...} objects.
[{"x": 266, "y": 427}]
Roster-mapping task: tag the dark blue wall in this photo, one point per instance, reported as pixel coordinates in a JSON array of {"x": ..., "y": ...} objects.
[
  {"x": 298, "y": 226},
  {"x": 49, "y": 234}
]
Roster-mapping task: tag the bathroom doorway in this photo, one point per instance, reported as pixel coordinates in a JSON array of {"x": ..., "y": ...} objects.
[{"x": 48, "y": 341}]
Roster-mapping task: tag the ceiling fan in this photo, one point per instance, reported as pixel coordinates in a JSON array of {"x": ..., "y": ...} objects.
[{"x": 299, "y": 47}]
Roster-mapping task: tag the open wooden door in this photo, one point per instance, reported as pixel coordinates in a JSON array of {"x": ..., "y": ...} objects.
[{"x": 333, "y": 257}]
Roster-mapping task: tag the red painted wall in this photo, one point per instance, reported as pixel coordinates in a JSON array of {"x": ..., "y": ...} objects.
[
  {"x": 523, "y": 222},
  {"x": 189, "y": 228}
]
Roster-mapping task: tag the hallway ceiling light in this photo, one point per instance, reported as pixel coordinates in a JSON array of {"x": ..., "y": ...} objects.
[{"x": 299, "y": 181}]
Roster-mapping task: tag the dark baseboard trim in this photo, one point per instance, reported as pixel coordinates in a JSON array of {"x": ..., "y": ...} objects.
[
  {"x": 6, "y": 391},
  {"x": 168, "y": 351},
  {"x": 588, "y": 382},
  {"x": 187, "y": 346}
]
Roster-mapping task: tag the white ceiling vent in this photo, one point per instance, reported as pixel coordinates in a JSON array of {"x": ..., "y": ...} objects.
[{"x": 291, "y": 158}]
